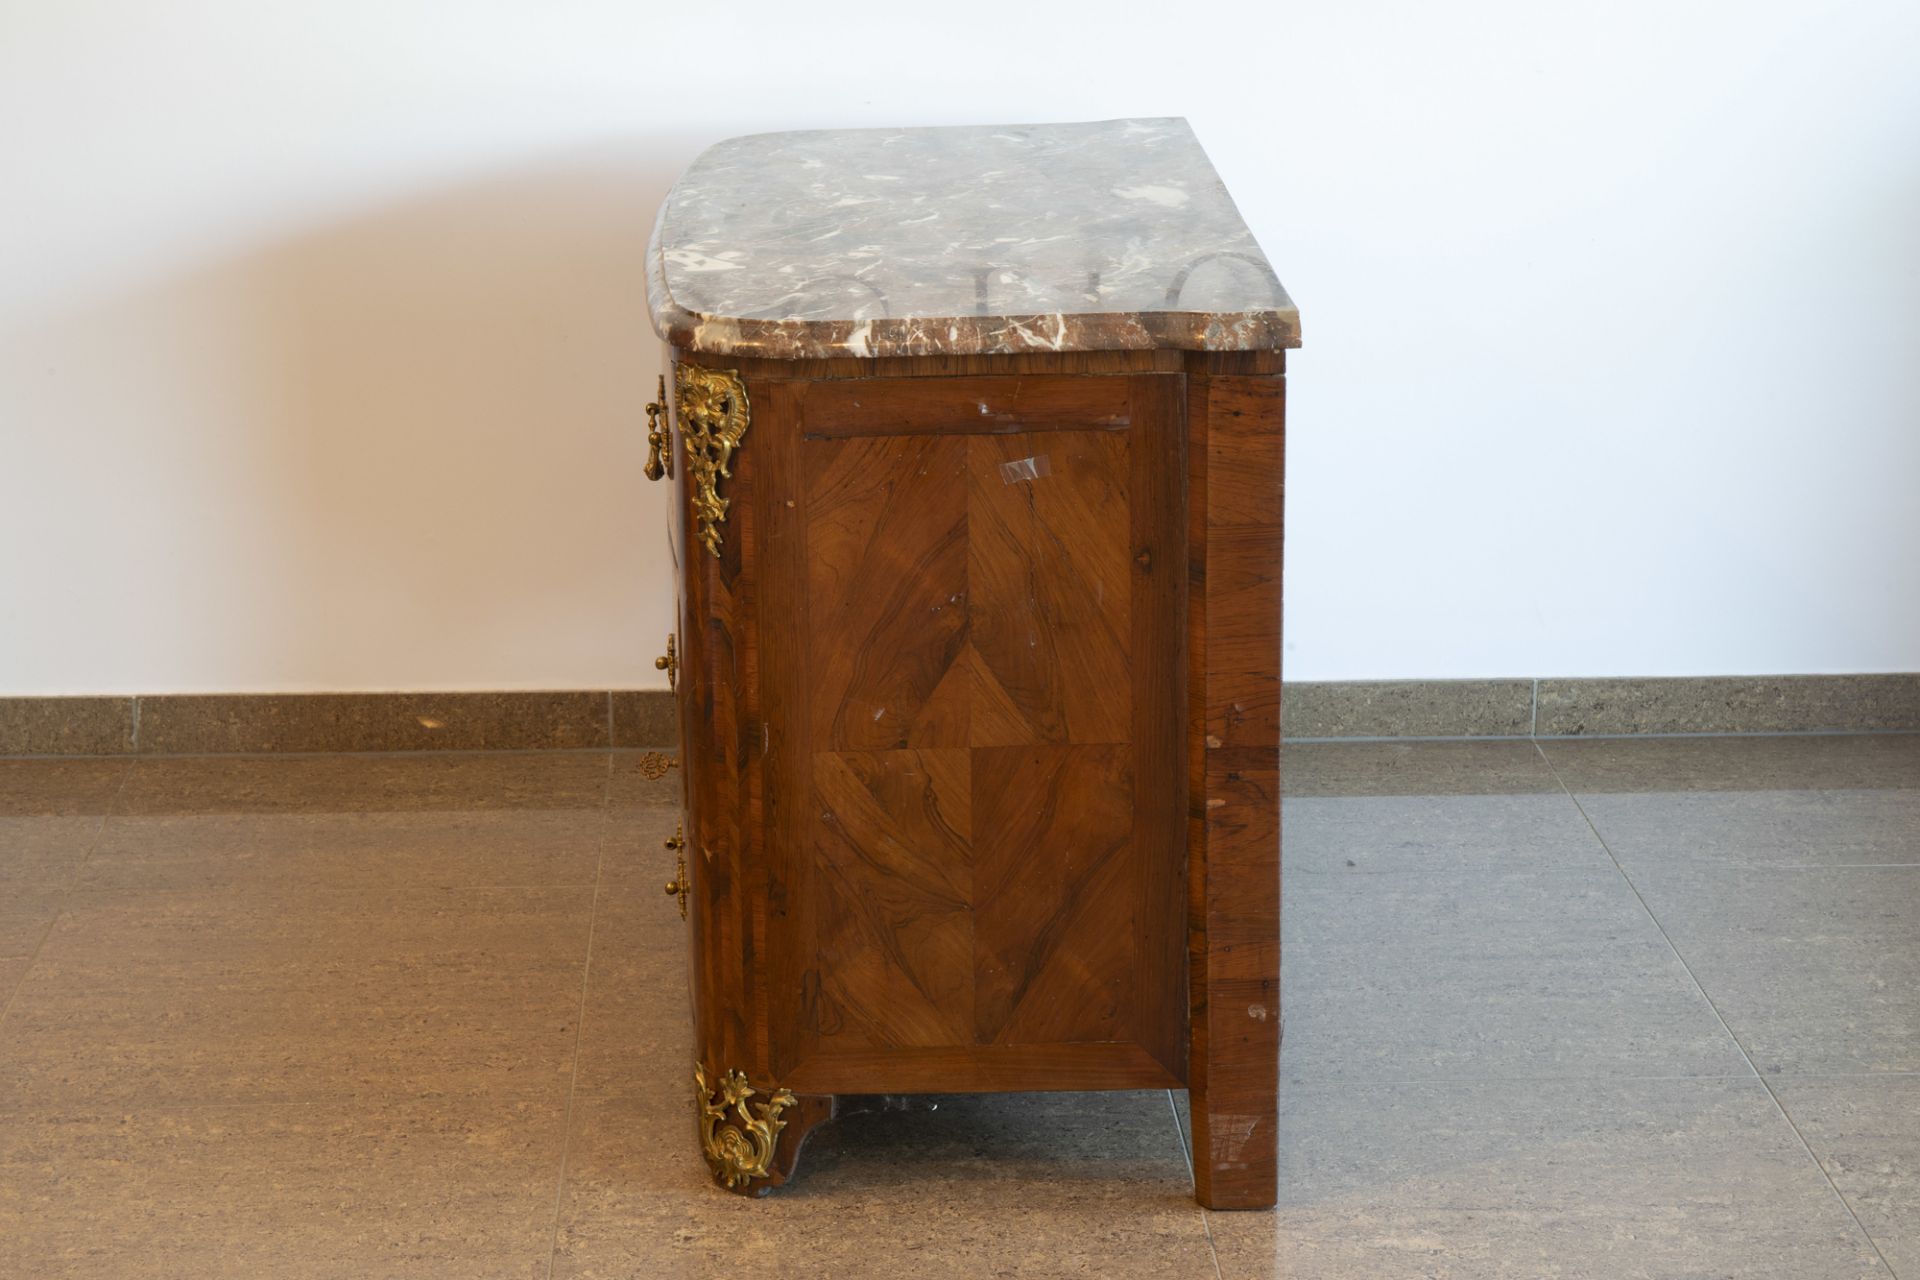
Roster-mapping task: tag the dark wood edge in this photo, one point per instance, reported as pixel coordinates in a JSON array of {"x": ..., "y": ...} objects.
[
  {"x": 1233, "y": 814},
  {"x": 989, "y": 1068}
]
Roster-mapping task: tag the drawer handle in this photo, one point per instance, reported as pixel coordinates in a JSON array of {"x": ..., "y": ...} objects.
[
  {"x": 654, "y": 765},
  {"x": 678, "y": 886},
  {"x": 669, "y": 663},
  {"x": 659, "y": 440}
]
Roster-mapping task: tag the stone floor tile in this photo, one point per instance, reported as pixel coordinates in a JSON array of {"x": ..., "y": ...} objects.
[
  {"x": 1814, "y": 970},
  {"x": 1666, "y": 829},
  {"x": 393, "y": 1189},
  {"x": 1384, "y": 834},
  {"x": 1866, "y": 1132},
  {"x": 1500, "y": 975},
  {"x": 1656, "y": 1180},
  {"x": 141, "y": 998},
  {"x": 987, "y": 1185}
]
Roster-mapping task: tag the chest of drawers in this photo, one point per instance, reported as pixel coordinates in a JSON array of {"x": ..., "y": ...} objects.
[{"x": 976, "y": 442}]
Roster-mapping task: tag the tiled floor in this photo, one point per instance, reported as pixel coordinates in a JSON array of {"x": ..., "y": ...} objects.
[{"x": 1587, "y": 1009}]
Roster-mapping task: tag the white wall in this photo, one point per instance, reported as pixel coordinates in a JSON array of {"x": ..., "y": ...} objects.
[{"x": 323, "y": 340}]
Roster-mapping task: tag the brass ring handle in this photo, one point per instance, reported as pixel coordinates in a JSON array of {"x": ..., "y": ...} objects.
[{"x": 659, "y": 440}]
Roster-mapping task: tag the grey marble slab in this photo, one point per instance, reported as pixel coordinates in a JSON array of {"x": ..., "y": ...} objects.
[{"x": 976, "y": 240}]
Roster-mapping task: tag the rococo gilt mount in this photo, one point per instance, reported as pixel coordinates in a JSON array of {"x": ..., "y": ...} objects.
[{"x": 976, "y": 444}]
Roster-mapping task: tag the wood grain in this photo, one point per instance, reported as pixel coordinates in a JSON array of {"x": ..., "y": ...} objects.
[
  {"x": 1056, "y": 893},
  {"x": 962, "y": 406},
  {"x": 984, "y": 614},
  {"x": 1048, "y": 590},
  {"x": 1158, "y": 564},
  {"x": 886, "y": 573},
  {"x": 984, "y": 1069},
  {"x": 715, "y": 683},
  {"x": 894, "y": 851},
  {"x": 1233, "y": 761},
  {"x": 980, "y": 718}
]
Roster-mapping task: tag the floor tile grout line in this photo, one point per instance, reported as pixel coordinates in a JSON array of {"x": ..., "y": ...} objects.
[
  {"x": 1821, "y": 1165},
  {"x": 579, "y": 1027},
  {"x": 1206, "y": 1224},
  {"x": 1778, "y": 1106},
  {"x": 66, "y": 892}
]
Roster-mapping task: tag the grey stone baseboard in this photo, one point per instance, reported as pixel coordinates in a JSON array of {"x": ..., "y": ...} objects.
[
  {"x": 1602, "y": 706},
  {"x": 194, "y": 724},
  {"x": 1549, "y": 708}
]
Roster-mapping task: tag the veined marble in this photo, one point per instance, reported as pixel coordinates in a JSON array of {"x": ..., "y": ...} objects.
[{"x": 1114, "y": 235}]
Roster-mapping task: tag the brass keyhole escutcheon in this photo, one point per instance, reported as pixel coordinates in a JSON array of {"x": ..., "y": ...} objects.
[
  {"x": 659, "y": 438},
  {"x": 654, "y": 765},
  {"x": 678, "y": 886},
  {"x": 670, "y": 664}
]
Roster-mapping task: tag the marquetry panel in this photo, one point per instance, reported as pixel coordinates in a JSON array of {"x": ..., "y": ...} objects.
[
  {"x": 987, "y": 649},
  {"x": 1049, "y": 605},
  {"x": 893, "y": 851},
  {"x": 886, "y": 572},
  {"x": 1056, "y": 893}
]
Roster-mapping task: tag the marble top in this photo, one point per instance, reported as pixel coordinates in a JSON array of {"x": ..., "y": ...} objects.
[{"x": 1116, "y": 235}]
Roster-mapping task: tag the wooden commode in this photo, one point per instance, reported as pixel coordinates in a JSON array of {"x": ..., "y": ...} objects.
[{"x": 976, "y": 448}]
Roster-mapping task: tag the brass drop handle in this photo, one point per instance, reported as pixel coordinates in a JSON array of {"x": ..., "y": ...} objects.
[
  {"x": 678, "y": 886},
  {"x": 659, "y": 440},
  {"x": 670, "y": 663}
]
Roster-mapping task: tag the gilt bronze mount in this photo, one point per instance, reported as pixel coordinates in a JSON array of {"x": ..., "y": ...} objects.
[
  {"x": 713, "y": 419},
  {"x": 739, "y": 1135}
]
